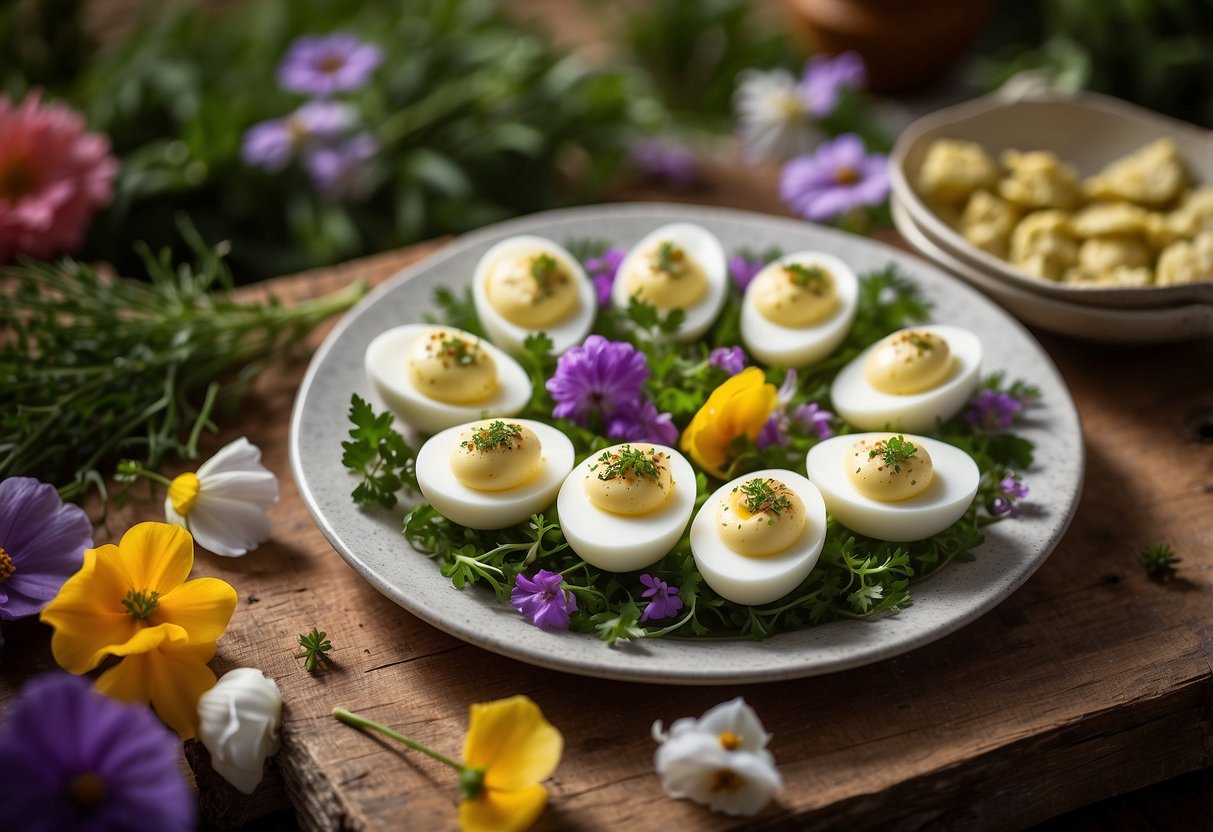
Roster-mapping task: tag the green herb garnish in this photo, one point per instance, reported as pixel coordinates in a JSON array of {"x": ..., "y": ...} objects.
[
  {"x": 547, "y": 275},
  {"x": 670, "y": 259},
  {"x": 315, "y": 644},
  {"x": 459, "y": 351},
  {"x": 628, "y": 460},
  {"x": 1159, "y": 561},
  {"x": 894, "y": 451},
  {"x": 765, "y": 495},
  {"x": 498, "y": 434},
  {"x": 379, "y": 455},
  {"x": 919, "y": 342},
  {"x": 813, "y": 277}
]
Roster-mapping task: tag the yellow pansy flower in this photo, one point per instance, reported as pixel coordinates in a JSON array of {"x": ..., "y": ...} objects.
[
  {"x": 510, "y": 749},
  {"x": 171, "y": 677},
  {"x": 741, "y": 405}
]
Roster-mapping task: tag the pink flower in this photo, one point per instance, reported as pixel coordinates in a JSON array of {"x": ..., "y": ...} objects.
[{"x": 54, "y": 175}]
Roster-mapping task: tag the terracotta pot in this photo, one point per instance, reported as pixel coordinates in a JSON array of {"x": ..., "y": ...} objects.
[{"x": 907, "y": 44}]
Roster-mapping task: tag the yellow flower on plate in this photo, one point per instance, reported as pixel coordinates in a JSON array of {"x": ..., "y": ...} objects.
[
  {"x": 510, "y": 749},
  {"x": 741, "y": 405}
]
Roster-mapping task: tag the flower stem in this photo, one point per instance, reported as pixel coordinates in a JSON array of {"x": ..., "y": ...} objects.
[{"x": 362, "y": 722}]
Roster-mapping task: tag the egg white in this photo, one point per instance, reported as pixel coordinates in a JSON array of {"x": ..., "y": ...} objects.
[
  {"x": 492, "y": 509},
  {"x": 698, "y": 243},
  {"x": 510, "y": 336},
  {"x": 758, "y": 580},
  {"x": 387, "y": 367},
  {"x": 943, "y": 502},
  {"x": 625, "y": 543},
  {"x": 867, "y": 408},
  {"x": 781, "y": 346}
]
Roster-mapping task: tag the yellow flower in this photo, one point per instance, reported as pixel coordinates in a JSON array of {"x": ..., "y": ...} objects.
[
  {"x": 511, "y": 748},
  {"x": 741, "y": 405},
  {"x": 133, "y": 600}
]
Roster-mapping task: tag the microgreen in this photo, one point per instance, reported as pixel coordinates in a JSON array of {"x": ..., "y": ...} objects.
[
  {"x": 628, "y": 461},
  {"x": 670, "y": 259},
  {"x": 379, "y": 455},
  {"x": 1159, "y": 561},
  {"x": 765, "y": 495},
  {"x": 497, "y": 434},
  {"x": 315, "y": 645},
  {"x": 459, "y": 351},
  {"x": 920, "y": 343},
  {"x": 807, "y": 276},
  {"x": 546, "y": 273},
  {"x": 894, "y": 451}
]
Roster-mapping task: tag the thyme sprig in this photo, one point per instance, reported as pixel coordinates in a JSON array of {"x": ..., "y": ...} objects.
[
  {"x": 497, "y": 434},
  {"x": 628, "y": 462},
  {"x": 894, "y": 451}
]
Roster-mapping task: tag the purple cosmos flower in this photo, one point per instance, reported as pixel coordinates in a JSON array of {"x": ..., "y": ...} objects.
[
  {"x": 327, "y": 64},
  {"x": 839, "y": 177},
  {"x": 663, "y": 599},
  {"x": 340, "y": 171},
  {"x": 744, "y": 271},
  {"x": 664, "y": 162},
  {"x": 991, "y": 410},
  {"x": 272, "y": 144},
  {"x": 596, "y": 379},
  {"x": 71, "y": 758},
  {"x": 642, "y": 424},
  {"x": 826, "y": 77},
  {"x": 730, "y": 359},
  {"x": 1010, "y": 490},
  {"x": 543, "y": 600},
  {"x": 42, "y": 543},
  {"x": 811, "y": 418},
  {"x": 602, "y": 271}
]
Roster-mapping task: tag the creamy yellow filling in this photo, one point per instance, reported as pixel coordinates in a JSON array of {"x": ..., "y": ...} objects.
[
  {"x": 909, "y": 361},
  {"x": 889, "y": 469},
  {"x": 533, "y": 289},
  {"x": 496, "y": 455},
  {"x": 630, "y": 480},
  {"x": 794, "y": 295},
  {"x": 761, "y": 517},
  {"x": 667, "y": 277},
  {"x": 450, "y": 368}
]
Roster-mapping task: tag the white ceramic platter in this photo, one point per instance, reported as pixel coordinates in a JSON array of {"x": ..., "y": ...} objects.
[{"x": 372, "y": 544}]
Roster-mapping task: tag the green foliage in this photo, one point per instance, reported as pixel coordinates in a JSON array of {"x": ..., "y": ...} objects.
[
  {"x": 379, "y": 455},
  {"x": 1159, "y": 561},
  {"x": 99, "y": 368},
  {"x": 315, "y": 647}
]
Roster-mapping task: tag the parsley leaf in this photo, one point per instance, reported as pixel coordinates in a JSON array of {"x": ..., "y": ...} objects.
[{"x": 379, "y": 455}]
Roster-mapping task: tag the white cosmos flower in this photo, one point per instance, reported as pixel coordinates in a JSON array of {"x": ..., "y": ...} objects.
[
  {"x": 773, "y": 116},
  {"x": 238, "y": 722},
  {"x": 719, "y": 760},
  {"x": 224, "y": 504}
]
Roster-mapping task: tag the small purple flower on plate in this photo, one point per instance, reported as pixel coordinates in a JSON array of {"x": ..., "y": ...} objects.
[
  {"x": 991, "y": 410},
  {"x": 642, "y": 423},
  {"x": 811, "y": 418},
  {"x": 744, "y": 270},
  {"x": 839, "y": 177},
  {"x": 1010, "y": 491},
  {"x": 326, "y": 64},
  {"x": 598, "y": 378},
  {"x": 663, "y": 599},
  {"x": 544, "y": 600},
  {"x": 602, "y": 271},
  {"x": 730, "y": 359}
]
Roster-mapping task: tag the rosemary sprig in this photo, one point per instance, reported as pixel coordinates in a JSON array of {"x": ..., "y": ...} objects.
[{"x": 98, "y": 368}]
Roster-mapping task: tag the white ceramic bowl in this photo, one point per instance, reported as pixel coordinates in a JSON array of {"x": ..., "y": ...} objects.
[{"x": 1087, "y": 132}]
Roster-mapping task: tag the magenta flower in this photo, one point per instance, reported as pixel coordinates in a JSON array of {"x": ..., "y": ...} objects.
[
  {"x": 773, "y": 432},
  {"x": 326, "y": 64},
  {"x": 42, "y": 543},
  {"x": 602, "y": 271},
  {"x": 811, "y": 418},
  {"x": 340, "y": 171},
  {"x": 836, "y": 179},
  {"x": 73, "y": 759},
  {"x": 730, "y": 359},
  {"x": 54, "y": 175},
  {"x": 662, "y": 161},
  {"x": 642, "y": 423},
  {"x": 544, "y": 600},
  {"x": 272, "y": 144},
  {"x": 825, "y": 78},
  {"x": 744, "y": 270},
  {"x": 663, "y": 599},
  {"x": 993, "y": 411},
  {"x": 1010, "y": 491},
  {"x": 597, "y": 379}
]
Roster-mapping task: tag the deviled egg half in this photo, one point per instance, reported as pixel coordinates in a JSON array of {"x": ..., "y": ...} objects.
[
  {"x": 910, "y": 379},
  {"x": 757, "y": 537},
  {"x": 798, "y": 309},
  {"x": 625, "y": 507},
  {"x": 434, "y": 377},
  {"x": 678, "y": 266},
  {"x": 527, "y": 285},
  {"x": 894, "y": 487},
  {"x": 493, "y": 473}
]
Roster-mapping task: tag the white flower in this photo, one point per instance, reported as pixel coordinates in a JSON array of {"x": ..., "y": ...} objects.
[
  {"x": 238, "y": 722},
  {"x": 720, "y": 760},
  {"x": 773, "y": 116},
  {"x": 224, "y": 505}
]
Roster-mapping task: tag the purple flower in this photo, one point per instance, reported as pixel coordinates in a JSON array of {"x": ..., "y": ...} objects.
[
  {"x": 71, "y": 758},
  {"x": 596, "y": 379},
  {"x": 543, "y": 600},
  {"x": 664, "y": 162},
  {"x": 327, "y": 64},
  {"x": 773, "y": 432},
  {"x": 642, "y": 423},
  {"x": 744, "y": 270},
  {"x": 730, "y": 359},
  {"x": 991, "y": 410},
  {"x": 42, "y": 543},
  {"x": 602, "y": 271},
  {"x": 272, "y": 144},
  {"x": 340, "y": 171},
  {"x": 834, "y": 180},
  {"x": 663, "y": 599},
  {"x": 811, "y": 418},
  {"x": 826, "y": 77},
  {"x": 1010, "y": 490}
]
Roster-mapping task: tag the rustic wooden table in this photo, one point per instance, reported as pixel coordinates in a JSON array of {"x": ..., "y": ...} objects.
[{"x": 1089, "y": 681}]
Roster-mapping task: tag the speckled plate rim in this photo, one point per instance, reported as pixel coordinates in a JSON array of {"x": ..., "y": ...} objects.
[{"x": 371, "y": 542}]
